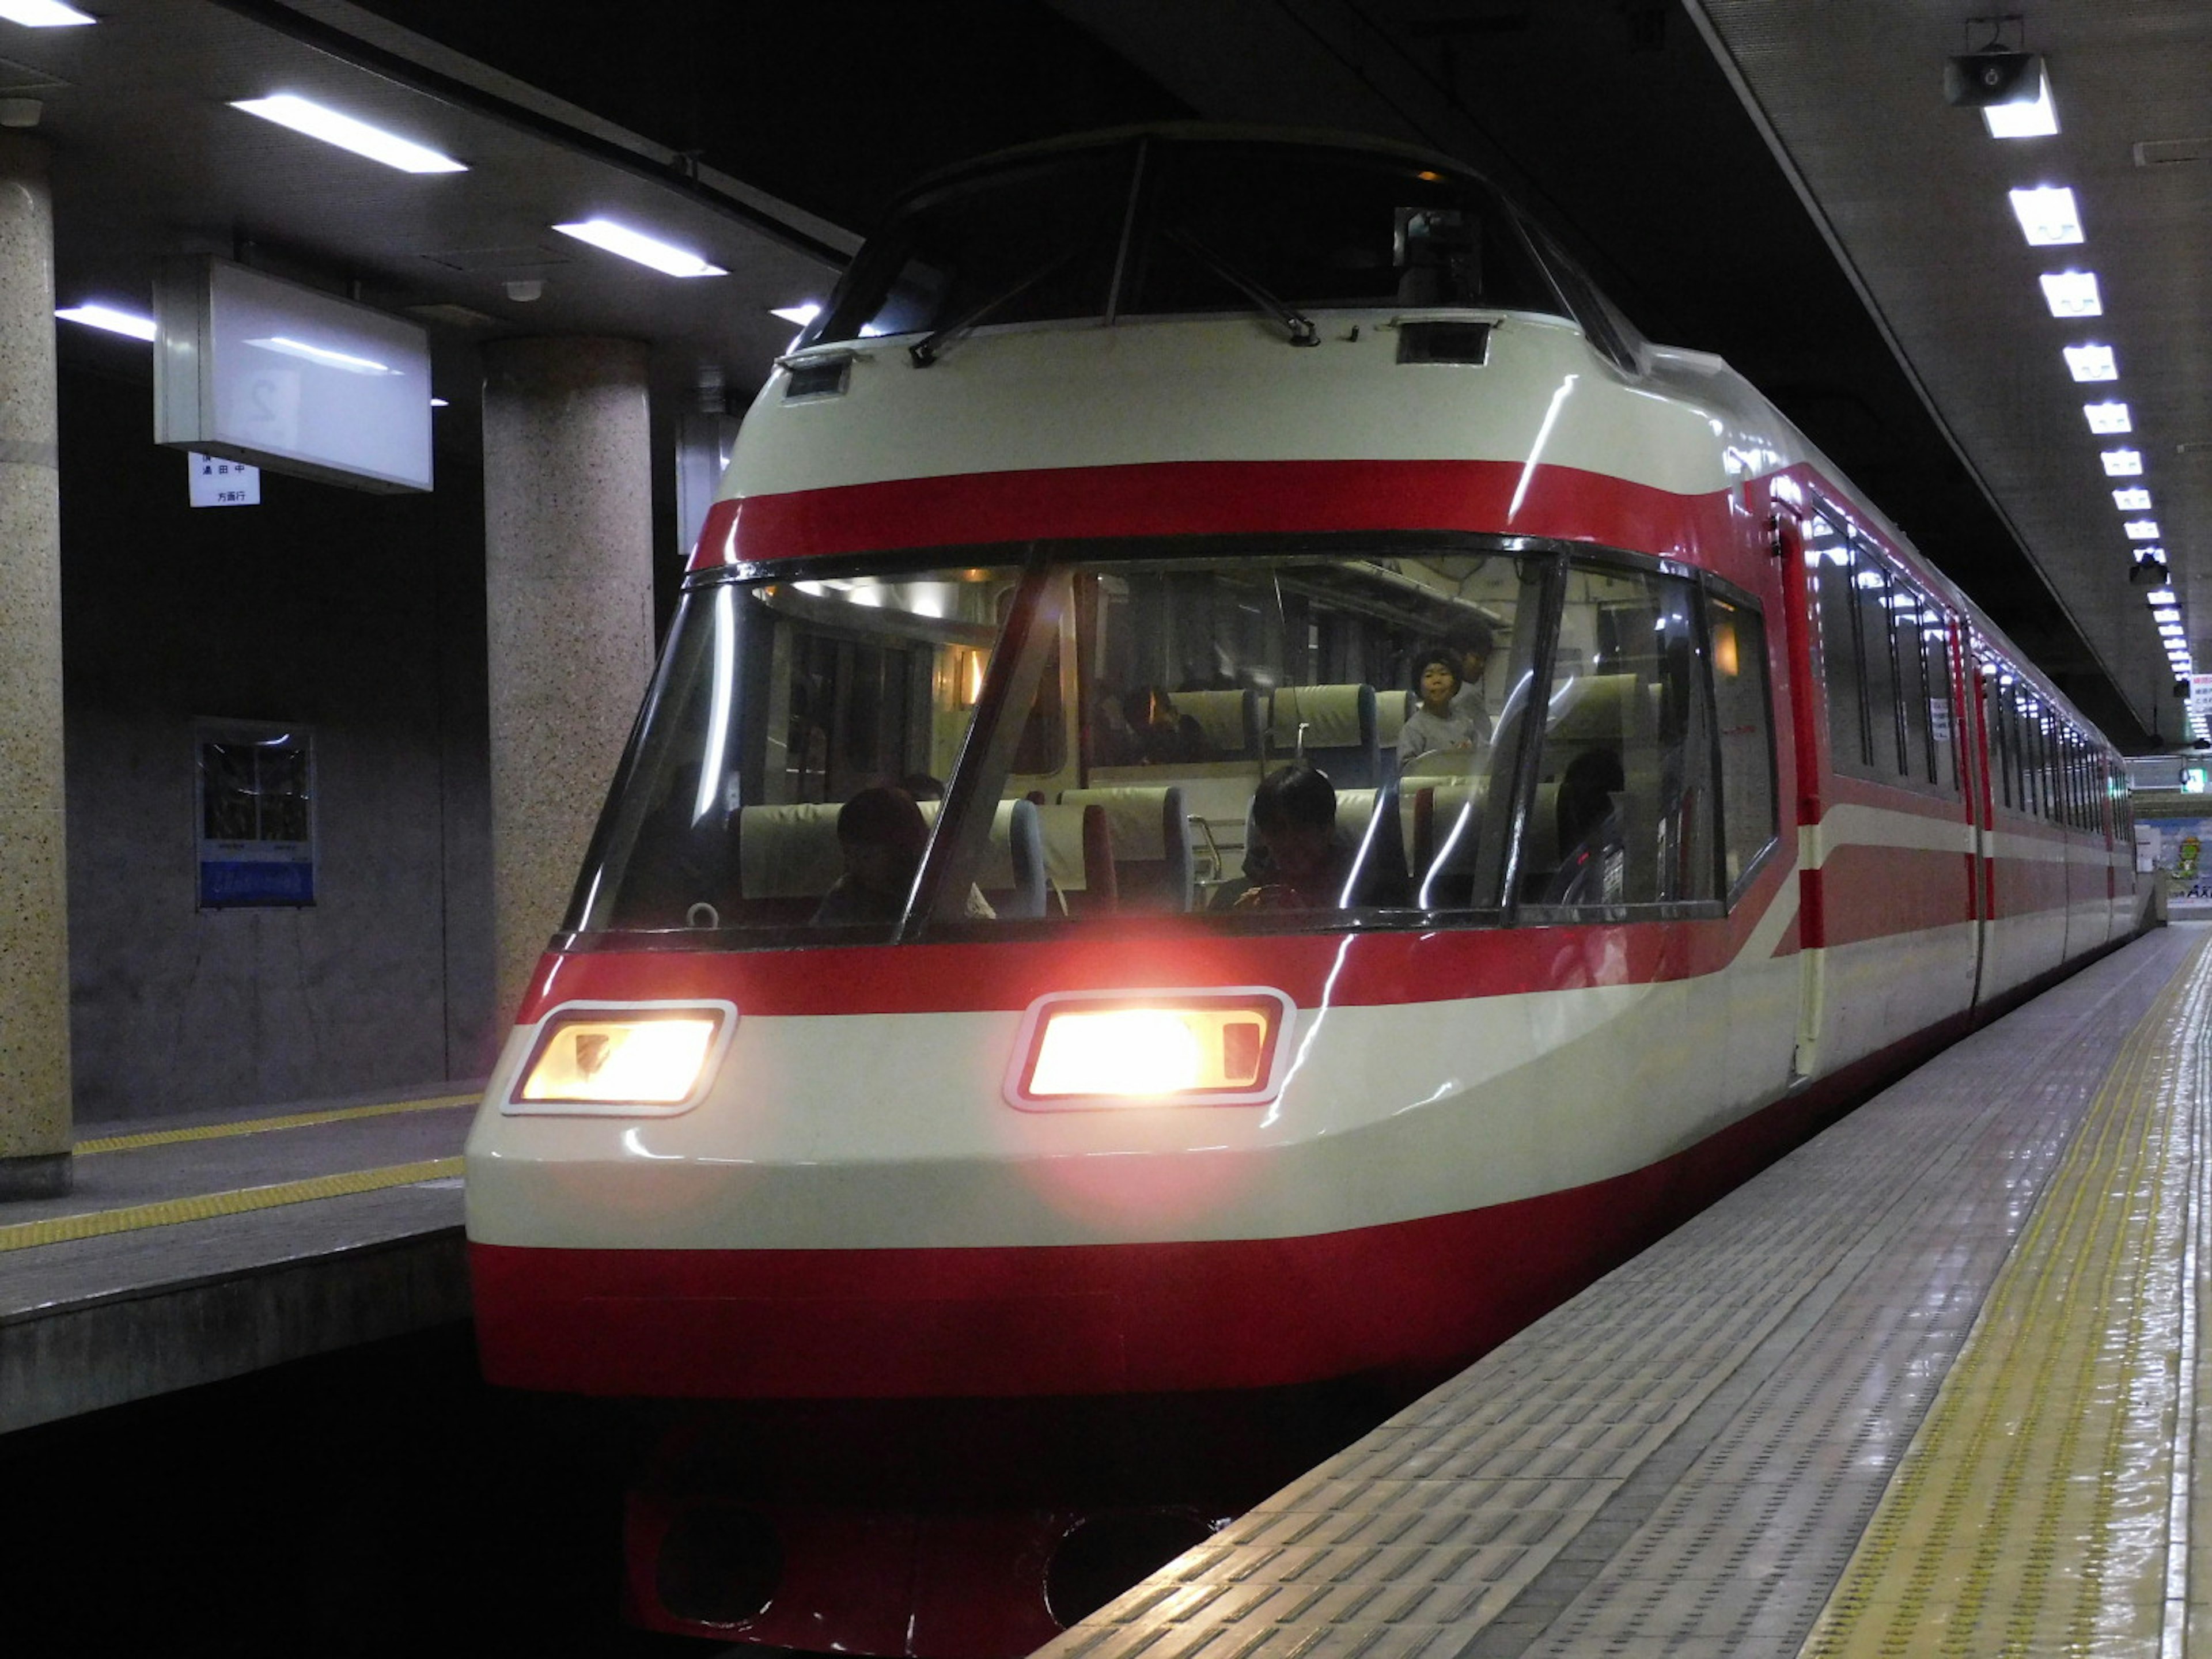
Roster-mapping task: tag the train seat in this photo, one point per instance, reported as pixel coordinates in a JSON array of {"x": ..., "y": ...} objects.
[
  {"x": 787, "y": 858},
  {"x": 1150, "y": 834},
  {"x": 1078, "y": 858},
  {"x": 1332, "y": 726},
  {"x": 1436, "y": 809},
  {"x": 1011, "y": 877},
  {"x": 1391, "y": 708},
  {"x": 1230, "y": 721}
]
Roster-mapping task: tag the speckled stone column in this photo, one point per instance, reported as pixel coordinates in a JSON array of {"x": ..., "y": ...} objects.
[
  {"x": 568, "y": 560},
  {"x": 34, "y": 1017}
]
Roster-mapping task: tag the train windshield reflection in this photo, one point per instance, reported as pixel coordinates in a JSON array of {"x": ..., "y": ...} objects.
[{"x": 1071, "y": 741}]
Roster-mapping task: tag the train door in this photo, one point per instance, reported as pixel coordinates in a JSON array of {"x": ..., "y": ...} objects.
[
  {"x": 1969, "y": 699},
  {"x": 1807, "y": 721}
]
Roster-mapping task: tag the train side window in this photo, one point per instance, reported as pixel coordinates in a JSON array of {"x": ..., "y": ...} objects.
[
  {"x": 1839, "y": 652},
  {"x": 1623, "y": 814},
  {"x": 1743, "y": 730},
  {"x": 1905, "y": 612},
  {"x": 1871, "y": 584}
]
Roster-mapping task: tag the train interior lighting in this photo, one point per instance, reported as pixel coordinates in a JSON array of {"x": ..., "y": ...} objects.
[
  {"x": 597, "y": 1057},
  {"x": 2165, "y": 614},
  {"x": 2141, "y": 530},
  {"x": 44, "y": 15},
  {"x": 2047, "y": 216},
  {"x": 2092, "y": 363},
  {"x": 2108, "y": 418},
  {"x": 304, "y": 115},
  {"x": 2131, "y": 501},
  {"x": 2072, "y": 294},
  {"x": 2164, "y": 596},
  {"x": 2122, "y": 463},
  {"x": 635, "y": 246},
  {"x": 110, "y": 317}
]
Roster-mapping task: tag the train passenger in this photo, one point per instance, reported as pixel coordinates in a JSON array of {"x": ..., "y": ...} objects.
[
  {"x": 1437, "y": 726},
  {"x": 1593, "y": 862},
  {"x": 1158, "y": 732},
  {"x": 880, "y": 835},
  {"x": 1472, "y": 643},
  {"x": 1292, "y": 863}
]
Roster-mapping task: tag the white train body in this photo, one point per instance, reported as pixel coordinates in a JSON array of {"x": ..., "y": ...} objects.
[{"x": 1478, "y": 1083}]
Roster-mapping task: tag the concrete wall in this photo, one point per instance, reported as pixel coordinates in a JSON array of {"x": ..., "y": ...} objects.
[{"x": 361, "y": 616}]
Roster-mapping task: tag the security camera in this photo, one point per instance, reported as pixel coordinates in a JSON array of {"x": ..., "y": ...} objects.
[{"x": 2147, "y": 573}]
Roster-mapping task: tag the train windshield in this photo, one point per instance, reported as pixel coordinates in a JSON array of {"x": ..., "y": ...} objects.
[
  {"x": 1176, "y": 229},
  {"x": 1249, "y": 741}
]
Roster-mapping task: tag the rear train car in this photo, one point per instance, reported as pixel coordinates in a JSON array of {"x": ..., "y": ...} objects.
[{"x": 1027, "y": 1116}]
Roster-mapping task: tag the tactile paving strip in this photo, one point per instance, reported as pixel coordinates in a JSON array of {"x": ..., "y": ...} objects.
[
  {"x": 1682, "y": 1459},
  {"x": 2032, "y": 1510}
]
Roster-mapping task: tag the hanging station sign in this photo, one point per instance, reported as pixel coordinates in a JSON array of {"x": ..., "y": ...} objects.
[{"x": 250, "y": 368}]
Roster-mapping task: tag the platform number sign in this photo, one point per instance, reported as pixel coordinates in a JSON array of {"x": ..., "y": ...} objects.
[{"x": 218, "y": 483}]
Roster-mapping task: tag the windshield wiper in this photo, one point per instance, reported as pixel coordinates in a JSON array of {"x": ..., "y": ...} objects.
[
  {"x": 927, "y": 349},
  {"x": 1301, "y": 327}
]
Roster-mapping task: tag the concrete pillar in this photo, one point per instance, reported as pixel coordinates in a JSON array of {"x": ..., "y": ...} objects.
[
  {"x": 568, "y": 566},
  {"x": 35, "y": 1125}
]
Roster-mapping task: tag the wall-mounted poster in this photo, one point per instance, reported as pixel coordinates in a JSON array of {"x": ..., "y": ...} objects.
[{"x": 255, "y": 800}]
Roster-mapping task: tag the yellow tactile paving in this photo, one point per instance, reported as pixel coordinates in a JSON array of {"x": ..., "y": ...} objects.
[
  {"x": 2033, "y": 1513},
  {"x": 262, "y": 1124},
  {"x": 205, "y": 1206}
]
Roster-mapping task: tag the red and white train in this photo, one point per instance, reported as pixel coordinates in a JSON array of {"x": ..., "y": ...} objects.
[{"x": 1019, "y": 1178}]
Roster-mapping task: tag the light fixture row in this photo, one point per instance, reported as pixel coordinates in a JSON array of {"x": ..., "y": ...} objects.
[
  {"x": 2050, "y": 216},
  {"x": 305, "y": 115}
]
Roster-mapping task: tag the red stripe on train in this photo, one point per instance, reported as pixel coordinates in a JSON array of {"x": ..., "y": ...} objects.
[{"x": 1191, "y": 498}]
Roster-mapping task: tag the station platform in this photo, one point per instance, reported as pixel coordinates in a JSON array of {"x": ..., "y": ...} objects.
[
  {"x": 1928, "y": 1385},
  {"x": 193, "y": 1249}
]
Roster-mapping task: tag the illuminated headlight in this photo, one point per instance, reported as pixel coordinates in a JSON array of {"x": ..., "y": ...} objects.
[
  {"x": 616, "y": 1060},
  {"x": 1217, "y": 1047}
]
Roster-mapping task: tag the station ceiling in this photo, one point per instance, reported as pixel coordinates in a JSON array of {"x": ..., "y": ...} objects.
[{"x": 1777, "y": 181}]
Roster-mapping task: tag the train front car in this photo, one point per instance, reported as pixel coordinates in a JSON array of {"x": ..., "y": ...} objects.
[{"x": 1205, "y": 840}]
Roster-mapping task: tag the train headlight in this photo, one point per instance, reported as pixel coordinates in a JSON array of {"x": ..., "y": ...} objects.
[
  {"x": 1220, "y": 1048},
  {"x": 606, "y": 1059}
]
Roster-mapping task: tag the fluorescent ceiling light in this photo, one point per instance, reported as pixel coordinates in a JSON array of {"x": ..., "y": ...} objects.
[
  {"x": 438, "y": 403},
  {"x": 2131, "y": 501},
  {"x": 634, "y": 244},
  {"x": 2024, "y": 118},
  {"x": 2047, "y": 217},
  {"x": 2167, "y": 613},
  {"x": 2122, "y": 463},
  {"x": 303, "y": 116},
  {"x": 2171, "y": 630},
  {"x": 2164, "y": 596},
  {"x": 114, "y": 321},
  {"x": 43, "y": 14},
  {"x": 2092, "y": 363},
  {"x": 2072, "y": 294},
  {"x": 323, "y": 354},
  {"x": 798, "y": 315},
  {"x": 2141, "y": 530},
  {"x": 2108, "y": 417}
]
